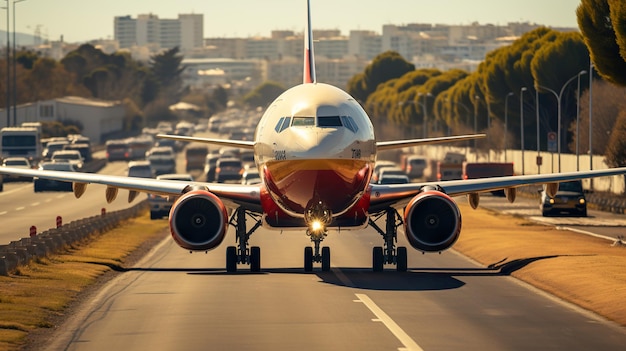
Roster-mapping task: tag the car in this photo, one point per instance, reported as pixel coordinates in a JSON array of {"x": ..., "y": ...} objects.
[
  {"x": 209, "y": 166},
  {"x": 72, "y": 156},
  {"x": 140, "y": 169},
  {"x": 569, "y": 199},
  {"x": 160, "y": 205},
  {"x": 17, "y": 162},
  {"x": 228, "y": 169},
  {"x": 414, "y": 166},
  {"x": 250, "y": 176},
  {"x": 387, "y": 171},
  {"x": 380, "y": 164},
  {"x": 52, "y": 147},
  {"x": 41, "y": 184},
  {"x": 393, "y": 179},
  {"x": 162, "y": 159}
]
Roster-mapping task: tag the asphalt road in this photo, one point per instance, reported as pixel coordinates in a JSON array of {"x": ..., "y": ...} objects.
[
  {"x": 21, "y": 207},
  {"x": 173, "y": 300}
]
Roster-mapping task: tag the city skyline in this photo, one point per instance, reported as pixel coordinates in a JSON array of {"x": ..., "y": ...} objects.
[{"x": 246, "y": 18}]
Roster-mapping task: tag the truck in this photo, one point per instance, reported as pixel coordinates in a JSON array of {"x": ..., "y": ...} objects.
[
  {"x": 451, "y": 168},
  {"x": 195, "y": 157},
  {"x": 475, "y": 170},
  {"x": 21, "y": 141}
]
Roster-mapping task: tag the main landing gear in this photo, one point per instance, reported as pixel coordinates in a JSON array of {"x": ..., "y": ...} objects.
[
  {"x": 310, "y": 256},
  {"x": 241, "y": 253},
  {"x": 389, "y": 254}
]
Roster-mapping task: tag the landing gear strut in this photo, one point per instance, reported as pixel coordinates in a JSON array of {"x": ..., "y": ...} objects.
[
  {"x": 241, "y": 253},
  {"x": 389, "y": 254},
  {"x": 310, "y": 256}
]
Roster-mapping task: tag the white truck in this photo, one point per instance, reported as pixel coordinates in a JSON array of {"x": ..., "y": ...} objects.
[{"x": 20, "y": 141}]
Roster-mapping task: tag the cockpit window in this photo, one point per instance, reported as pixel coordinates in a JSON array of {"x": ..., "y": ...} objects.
[
  {"x": 348, "y": 122},
  {"x": 303, "y": 121},
  {"x": 279, "y": 125},
  {"x": 329, "y": 121},
  {"x": 283, "y": 123}
]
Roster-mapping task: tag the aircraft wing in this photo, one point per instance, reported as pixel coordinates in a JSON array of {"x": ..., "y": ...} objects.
[
  {"x": 396, "y": 144},
  {"x": 242, "y": 144},
  {"x": 233, "y": 195},
  {"x": 396, "y": 195}
]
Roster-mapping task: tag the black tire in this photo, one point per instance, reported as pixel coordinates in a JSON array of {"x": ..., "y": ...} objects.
[
  {"x": 401, "y": 259},
  {"x": 325, "y": 259},
  {"x": 377, "y": 259},
  {"x": 255, "y": 259},
  {"x": 231, "y": 259},
  {"x": 308, "y": 259}
]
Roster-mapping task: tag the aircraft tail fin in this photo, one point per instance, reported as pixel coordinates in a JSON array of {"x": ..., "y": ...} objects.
[{"x": 309, "y": 59}]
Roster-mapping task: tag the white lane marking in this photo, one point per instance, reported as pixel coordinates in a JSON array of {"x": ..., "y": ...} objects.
[
  {"x": 15, "y": 190},
  {"x": 3, "y": 213},
  {"x": 405, "y": 339},
  {"x": 35, "y": 204},
  {"x": 20, "y": 208},
  {"x": 586, "y": 233}
]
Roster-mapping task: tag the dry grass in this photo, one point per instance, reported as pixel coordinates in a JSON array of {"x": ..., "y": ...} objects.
[
  {"x": 584, "y": 270},
  {"x": 35, "y": 294}
]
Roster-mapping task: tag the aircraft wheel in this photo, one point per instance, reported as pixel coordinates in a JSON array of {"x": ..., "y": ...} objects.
[
  {"x": 255, "y": 259},
  {"x": 231, "y": 259},
  {"x": 401, "y": 259},
  {"x": 325, "y": 258},
  {"x": 308, "y": 259},
  {"x": 377, "y": 259}
]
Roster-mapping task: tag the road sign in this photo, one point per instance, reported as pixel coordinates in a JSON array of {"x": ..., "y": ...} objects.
[{"x": 552, "y": 142}]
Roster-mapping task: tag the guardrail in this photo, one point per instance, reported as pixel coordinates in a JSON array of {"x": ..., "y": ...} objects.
[{"x": 21, "y": 252}]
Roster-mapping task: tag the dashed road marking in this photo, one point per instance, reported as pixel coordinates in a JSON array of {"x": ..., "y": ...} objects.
[{"x": 394, "y": 328}]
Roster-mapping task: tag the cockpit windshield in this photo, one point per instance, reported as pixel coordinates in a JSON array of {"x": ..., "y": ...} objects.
[{"x": 322, "y": 122}]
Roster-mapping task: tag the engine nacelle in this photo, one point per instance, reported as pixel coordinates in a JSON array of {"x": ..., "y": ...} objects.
[
  {"x": 198, "y": 221},
  {"x": 432, "y": 221}
]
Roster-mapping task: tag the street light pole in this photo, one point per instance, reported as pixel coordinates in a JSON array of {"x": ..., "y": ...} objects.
[
  {"x": 14, "y": 66},
  {"x": 578, "y": 125},
  {"x": 521, "y": 123},
  {"x": 538, "y": 135},
  {"x": 590, "y": 125},
  {"x": 425, "y": 112},
  {"x": 558, "y": 100},
  {"x": 8, "y": 107},
  {"x": 506, "y": 120}
]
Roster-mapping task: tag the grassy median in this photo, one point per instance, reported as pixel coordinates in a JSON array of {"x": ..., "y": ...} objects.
[
  {"x": 581, "y": 269},
  {"x": 38, "y": 294}
]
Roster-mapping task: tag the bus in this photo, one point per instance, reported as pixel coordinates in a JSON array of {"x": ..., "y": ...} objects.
[{"x": 20, "y": 141}]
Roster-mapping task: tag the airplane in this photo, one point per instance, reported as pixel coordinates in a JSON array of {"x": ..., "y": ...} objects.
[{"x": 315, "y": 149}]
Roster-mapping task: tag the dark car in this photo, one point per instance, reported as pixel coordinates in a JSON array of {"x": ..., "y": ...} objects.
[
  {"x": 569, "y": 200},
  {"x": 41, "y": 184},
  {"x": 228, "y": 169}
]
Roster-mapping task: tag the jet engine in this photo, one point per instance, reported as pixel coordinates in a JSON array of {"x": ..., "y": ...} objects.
[
  {"x": 432, "y": 221},
  {"x": 198, "y": 221}
]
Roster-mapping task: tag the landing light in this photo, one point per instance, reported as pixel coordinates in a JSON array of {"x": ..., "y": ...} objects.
[{"x": 316, "y": 226}]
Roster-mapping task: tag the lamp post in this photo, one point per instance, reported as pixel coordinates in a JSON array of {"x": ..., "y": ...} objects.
[
  {"x": 558, "y": 101},
  {"x": 8, "y": 107},
  {"x": 14, "y": 66},
  {"x": 506, "y": 120},
  {"x": 578, "y": 123},
  {"x": 590, "y": 125},
  {"x": 425, "y": 112},
  {"x": 538, "y": 135},
  {"x": 521, "y": 123}
]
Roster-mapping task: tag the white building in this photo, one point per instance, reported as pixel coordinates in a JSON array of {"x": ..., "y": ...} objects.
[
  {"x": 149, "y": 30},
  {"x": 99, "y": 118}
]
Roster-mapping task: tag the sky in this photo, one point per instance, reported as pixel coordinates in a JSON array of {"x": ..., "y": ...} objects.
[{"x": 83, "y": 20}]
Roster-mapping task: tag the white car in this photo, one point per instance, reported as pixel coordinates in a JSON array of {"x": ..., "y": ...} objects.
[
  {"x": 17, "y": 162},
  {"x": 72, "y": 156}
]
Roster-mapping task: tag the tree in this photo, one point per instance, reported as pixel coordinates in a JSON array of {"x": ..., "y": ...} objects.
[
  {"x": 616, "y": 149},
  {"x": 166, "y": 69},
  {"x": 384, "y": 67},
  {"x": 603, "y": 26},
  {"x": 263, "y": 95},
  {"x": 608, "y": 101}
]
